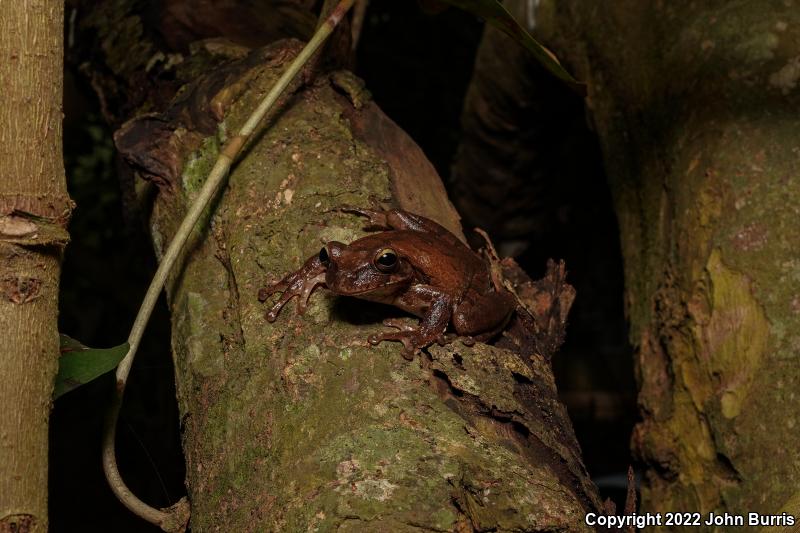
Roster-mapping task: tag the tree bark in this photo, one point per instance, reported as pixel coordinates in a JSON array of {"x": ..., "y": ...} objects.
[
  {"x": 696, "y": 108},
  {"x": 34, "y": 211},
  {"x": 300, "y": 424}
]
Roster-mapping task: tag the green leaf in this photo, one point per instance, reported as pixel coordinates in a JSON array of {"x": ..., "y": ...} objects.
[
  {"x": 79, "y": 365},
  {"x": 493, "y": 12}
]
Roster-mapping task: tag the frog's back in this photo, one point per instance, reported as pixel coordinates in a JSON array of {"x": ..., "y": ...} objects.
[{"x": 449, "y": 266}]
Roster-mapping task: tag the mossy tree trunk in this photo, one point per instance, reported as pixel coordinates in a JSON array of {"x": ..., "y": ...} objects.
[
  {"x": 34, "y": 211},
  {"x": 300, "y": 424},
  {"x": 696, "y": 108}
]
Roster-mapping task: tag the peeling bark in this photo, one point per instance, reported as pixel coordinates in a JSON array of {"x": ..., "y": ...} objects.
[
  {"x": 301, "y": 424},
  {"x": 34, "y": 211}
]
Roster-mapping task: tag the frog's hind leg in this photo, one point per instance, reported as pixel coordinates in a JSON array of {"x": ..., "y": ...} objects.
[
  {"x": 482, "y": 318},
  {"x": 397, "y": 219},
  {"x": 378, "y": 219}
]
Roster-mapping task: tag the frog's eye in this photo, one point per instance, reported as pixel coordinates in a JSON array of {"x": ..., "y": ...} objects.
[
  {"x": 324, "y": 258},
  {"x": 386, "y": 260}
]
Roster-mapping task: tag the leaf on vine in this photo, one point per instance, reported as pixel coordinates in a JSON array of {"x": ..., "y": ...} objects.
[
  {"x": 493, "y": 12},
  {"x": 79, "y": 365}
]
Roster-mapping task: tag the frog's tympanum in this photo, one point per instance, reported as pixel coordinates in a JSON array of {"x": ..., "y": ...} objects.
[{"x": 413, "y": 264}]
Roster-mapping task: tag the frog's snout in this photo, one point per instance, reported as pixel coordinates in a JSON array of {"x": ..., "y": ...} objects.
[{"x": 335, "y": 250}]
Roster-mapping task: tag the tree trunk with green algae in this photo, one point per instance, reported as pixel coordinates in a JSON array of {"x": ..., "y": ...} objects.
[
  {"x": 34, "y": 211},
  {"x": 696, "y": 108},
  {"x": 300, "y": 424}
]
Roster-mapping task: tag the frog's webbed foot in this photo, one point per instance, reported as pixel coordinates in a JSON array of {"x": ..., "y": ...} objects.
[
  {"x": 411, "y": 336},
  {"x": 449, "y": 338},
  {"x": 300, "y": 283}
]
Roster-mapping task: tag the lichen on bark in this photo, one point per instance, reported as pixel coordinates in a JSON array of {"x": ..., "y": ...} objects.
[
  {"x": 351, "y": 436},
  {"x": 300, "y": 423},
  {"x": 691, "y": 103}
]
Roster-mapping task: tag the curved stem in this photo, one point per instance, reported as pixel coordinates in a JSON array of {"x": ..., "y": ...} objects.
[{"x": 215, "y": 178}]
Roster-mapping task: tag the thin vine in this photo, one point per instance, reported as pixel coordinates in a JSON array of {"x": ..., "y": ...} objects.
[{"x": 175, "y": 518}]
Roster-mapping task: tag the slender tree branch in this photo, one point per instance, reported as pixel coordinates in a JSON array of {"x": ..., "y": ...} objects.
[
  {"x": 174, "y": 518},
  {"x": 359, "y": 15}
]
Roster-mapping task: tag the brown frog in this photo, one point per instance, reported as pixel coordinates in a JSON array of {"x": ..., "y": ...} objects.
[{"x": 413, "y": 264}]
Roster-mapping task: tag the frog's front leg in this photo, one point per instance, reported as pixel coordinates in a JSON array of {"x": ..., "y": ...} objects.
[
  {"x": 431, "y": 327},
  {"x": 300, "y": 283}
]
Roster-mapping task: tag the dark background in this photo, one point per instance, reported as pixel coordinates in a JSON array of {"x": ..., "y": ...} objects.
[{"x": 417, "y": 67}]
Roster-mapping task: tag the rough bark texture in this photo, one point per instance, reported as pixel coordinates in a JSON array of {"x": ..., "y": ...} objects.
[
  {"x": 34, "y": 210},
  {"x": 696, "y": 107},
  {"x": 300, "y": 424}
]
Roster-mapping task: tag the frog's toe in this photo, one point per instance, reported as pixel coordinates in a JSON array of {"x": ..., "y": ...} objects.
[
  {"x": 304, "y": 292},
  {"x": 399, "y": 323},
  {"x": 447, "y": 338},
  {"x": 273, "y": 313},
  {"x": 410, "y": 348},
  {"x": 377, "y": 218},
  {"x": 266, "y": 292},
  {"x": 408, "y": 338},
  {"x": 377, "y": 338},
  {"x": 467, "y": 341}
]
